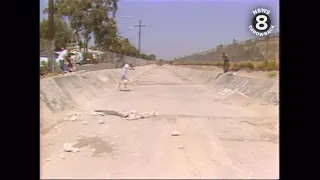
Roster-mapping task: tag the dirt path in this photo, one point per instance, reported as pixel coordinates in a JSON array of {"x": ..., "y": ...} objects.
[{"x": 217, "y": 140}]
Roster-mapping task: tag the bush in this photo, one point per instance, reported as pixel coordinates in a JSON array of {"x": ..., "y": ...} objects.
[
  {"x": 267, "y": 65},
  {"x": 235, "y": 67},
  {"x": 219, "y": 64},
  {"x": 272, "y": 74},
  {"x": 250, "y": 66},
  {"x": 45, "y": 68},
  {"x": 160, "y": 63},
  {"x": 88, "y": 59},
  {"x": 271, "y": 65}
]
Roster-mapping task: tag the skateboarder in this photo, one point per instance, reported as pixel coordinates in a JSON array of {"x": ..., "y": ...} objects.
[
  {"x": 124, "y": 73},
  {"x": 226, "y": 62}
]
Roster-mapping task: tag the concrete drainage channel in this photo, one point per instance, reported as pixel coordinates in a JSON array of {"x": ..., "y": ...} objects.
[
  {"x": 62, "y": 94},
  {"x": 195, "y": 130},
  {"x": 255, "y": 90}
]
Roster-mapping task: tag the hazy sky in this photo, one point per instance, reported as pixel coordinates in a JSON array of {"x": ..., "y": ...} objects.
[{"x": 176, "y": 28}]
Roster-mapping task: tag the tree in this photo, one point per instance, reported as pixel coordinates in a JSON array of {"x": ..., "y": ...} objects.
[
  {"x": 87, "y": 16},
  {"x": 92, "y": 19},
  {"x": 63, "y": 33},
  {"x": 111, "y": 39},
  {"x": 151, "y": 57}
]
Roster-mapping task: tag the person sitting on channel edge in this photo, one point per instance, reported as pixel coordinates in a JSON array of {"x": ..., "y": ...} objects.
[{"x": 226, "y": 62}]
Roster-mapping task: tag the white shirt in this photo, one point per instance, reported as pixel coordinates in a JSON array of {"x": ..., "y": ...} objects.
[
  {"x": 125, "y": 69},
  {"x": 62, "y": 54}
]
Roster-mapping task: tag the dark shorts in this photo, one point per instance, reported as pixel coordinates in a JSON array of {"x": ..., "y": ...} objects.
[{"x": 123, "y": 77}]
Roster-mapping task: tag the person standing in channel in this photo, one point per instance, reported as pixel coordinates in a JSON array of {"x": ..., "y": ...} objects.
[
  {"x": 226, "y": 62},
  {"x": 124, "y": 73}
]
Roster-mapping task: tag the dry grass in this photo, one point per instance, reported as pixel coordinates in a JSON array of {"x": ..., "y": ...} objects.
[
  {"x": 160, "y": 63},
  {"x": 267, "y": 65},
  {"x": 272, "y": 74}
]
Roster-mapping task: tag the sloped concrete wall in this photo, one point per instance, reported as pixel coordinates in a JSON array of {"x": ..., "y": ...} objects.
[
  {"x": 261, "y": 91},
  {"x": 65, "y": 93}
]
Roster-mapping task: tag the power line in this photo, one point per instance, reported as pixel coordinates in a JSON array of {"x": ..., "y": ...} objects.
[{"x": 139, "y": 25}]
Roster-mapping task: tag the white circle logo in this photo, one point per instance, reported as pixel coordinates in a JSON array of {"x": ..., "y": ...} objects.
[{"x": 261, "y": 24}]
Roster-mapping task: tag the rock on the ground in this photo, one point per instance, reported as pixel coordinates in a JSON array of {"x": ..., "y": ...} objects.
[
  {"x": 67, "y": 147},
  {"x": 133, "y": 115},
  {"x": 130, "y": 115},
  {"x": 74, "y": 116},
  {"x": 97, "y": 114},
  {"x": 175, "y": 133},
  {"x": 101, "y": 121},
  {"x": 62, "y": 156},
  {"x": 85, "y": 122},
  {"x": 180, "y": 147},
  {"x": 148, "y": 114}
]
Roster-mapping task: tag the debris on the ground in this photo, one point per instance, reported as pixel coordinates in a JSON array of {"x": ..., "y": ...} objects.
[
  {"x": 67, "y": 147},
  {"x": 175, "y": 133},
  {"x": 111, "y": 112},
  {"x": 180, "y": 147},
  {"x": 62, "y": 156},
  {"x": 96, "y": 113},
  {"x": 85, "y": 122},
  {"x": 130, "y": 115},
  {"x": 73, "y": 116},
  {"x": 101, "y": 121}
]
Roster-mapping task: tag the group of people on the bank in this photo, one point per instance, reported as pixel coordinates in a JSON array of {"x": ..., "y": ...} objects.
[{"x": 66, "y": 61}]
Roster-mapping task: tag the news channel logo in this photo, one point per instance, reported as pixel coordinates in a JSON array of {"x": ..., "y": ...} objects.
[{"x": 261, "y": 24}]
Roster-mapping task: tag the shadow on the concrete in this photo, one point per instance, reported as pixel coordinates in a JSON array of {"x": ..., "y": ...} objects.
[
  {"x": 125, "y": 90},
  {"x": 218, "y": 75}
]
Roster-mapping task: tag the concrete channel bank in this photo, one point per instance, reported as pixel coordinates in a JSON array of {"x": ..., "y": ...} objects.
[
  {"x": 59, "y": 95},
  {"x": 249, "y": 90}
]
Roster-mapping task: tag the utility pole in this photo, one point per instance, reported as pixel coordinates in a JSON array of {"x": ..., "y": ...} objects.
[
  {"x": 51, "y": 33},
  {"x": 139, "y": 25}
]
